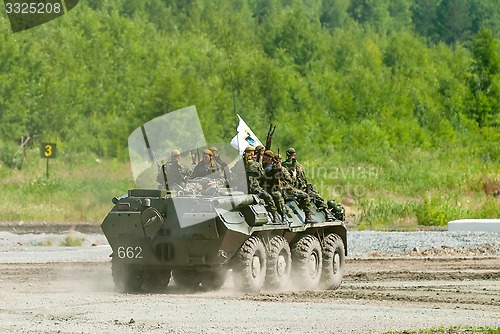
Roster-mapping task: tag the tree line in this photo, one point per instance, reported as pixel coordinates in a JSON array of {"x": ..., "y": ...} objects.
[{"x": 365, "y": 77}]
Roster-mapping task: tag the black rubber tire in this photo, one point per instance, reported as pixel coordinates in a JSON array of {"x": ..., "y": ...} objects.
[
  {"x": 307, "y": 262},
  {"x": 249, "y": 268},
  {"x": 156, "y": 280},
  {"x": 126, "y": 277},
  {"x": 279, "y": 263},
  {"x": 186, "y": 279},
  {"x": 333, "y": 262}
]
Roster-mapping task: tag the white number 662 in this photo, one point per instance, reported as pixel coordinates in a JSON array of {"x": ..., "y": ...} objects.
[{"x": 129, "y": 252}]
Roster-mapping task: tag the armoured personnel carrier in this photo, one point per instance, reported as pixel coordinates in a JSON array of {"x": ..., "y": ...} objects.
[{"x": 199, "y": 231}]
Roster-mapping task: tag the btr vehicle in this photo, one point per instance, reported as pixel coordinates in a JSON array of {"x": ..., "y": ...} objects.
[{"x": 198, "y": 232}]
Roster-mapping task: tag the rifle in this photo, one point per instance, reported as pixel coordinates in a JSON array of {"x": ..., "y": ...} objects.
[
  {"x": 193, "y": 158},
  {"x": 270, "y": 133},
  {"x": 152, "y": 158}
]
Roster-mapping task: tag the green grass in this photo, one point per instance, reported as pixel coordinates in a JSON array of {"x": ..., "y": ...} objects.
[
  {"x": 72, "y": 241},
  {"x": 74, "y": 192},
  {"x": 414, "y": 191},
  {"x": 45, "y": 243},
  {"x": 418, "y": 189}
]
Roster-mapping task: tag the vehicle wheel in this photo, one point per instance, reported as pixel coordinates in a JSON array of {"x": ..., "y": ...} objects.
[
  {"x": 279, "y": 261},
  {"x": 187, "y": 279},
  {"x": 333, "y": 261},
  {"x": 307, "y": 262},
  {"x": 249, "y": 270},
  {"x": 125, "y": 277},
  {"x": 213, "y": 279},
  {"x": 156, "y": 280}
]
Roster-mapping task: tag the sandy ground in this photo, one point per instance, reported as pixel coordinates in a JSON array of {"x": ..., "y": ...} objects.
[{"x": 378, "y": 294}]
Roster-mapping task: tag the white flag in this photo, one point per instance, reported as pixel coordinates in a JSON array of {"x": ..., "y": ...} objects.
[{"x": 245, "y": 137}]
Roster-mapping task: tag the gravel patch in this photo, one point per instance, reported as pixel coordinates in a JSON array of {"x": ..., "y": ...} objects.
[
  {"x": 359, "y": 243},
  {"x": 366, "y": 243}
]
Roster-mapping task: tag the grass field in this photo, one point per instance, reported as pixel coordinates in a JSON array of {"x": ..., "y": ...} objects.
[
  {"x": 424, "y": 189},
  {"x": 74, "y": 191}
]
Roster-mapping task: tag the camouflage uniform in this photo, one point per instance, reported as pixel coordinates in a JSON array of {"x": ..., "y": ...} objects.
[
  {"x": 271, "y": 181},
  {"x": 259, "y": 153},
  {"x": 290, "y": 191},
  {"x": 298, "y": 174},
  {"x": 254, "y": 175}
]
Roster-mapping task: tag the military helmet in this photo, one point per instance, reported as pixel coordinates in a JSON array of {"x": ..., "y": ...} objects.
[
  {"x": 249, "y": 149},
  {"x": 277, "y": 156},
  {"x": 331, "y": 204},
  {"x": 175, "y": 153},
  {"x": 290, "y": 152},
  {"x": 259, "y": 147},
  {"x": 207, "y": 151},
  {"x": 269, "y": 154},
  {"x": 214, "y": 149}
]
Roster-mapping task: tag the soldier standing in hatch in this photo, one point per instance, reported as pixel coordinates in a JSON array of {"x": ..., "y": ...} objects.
[
  {"x": 205, "y": 167},
  {"x": 173, "y": 173},
  {"x": 254, "y": 175},
  {"x": 220, "y": 166}
]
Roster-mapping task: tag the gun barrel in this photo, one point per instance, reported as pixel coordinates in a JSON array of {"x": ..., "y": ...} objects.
[{"x": 231, "y": 202}]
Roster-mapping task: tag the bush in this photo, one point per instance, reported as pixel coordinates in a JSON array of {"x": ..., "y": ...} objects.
[
  {"x": 72, "y": 241},
  {"x": 436, "y": 211}
]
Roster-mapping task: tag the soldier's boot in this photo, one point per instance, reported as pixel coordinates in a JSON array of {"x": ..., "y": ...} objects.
[
  {"x": 281, "y": 214},
  {"x": 276, "y": 219},
  {"x": 309, "y": 218}
]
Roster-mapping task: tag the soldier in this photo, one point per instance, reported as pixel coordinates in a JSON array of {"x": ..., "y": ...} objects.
[
  {"x": 205, "y": 167},
  {"x": 289, "y": 191},
  {"x": 272, "y": 180},
  {"x": 259, "y": 153},
  {"x": 300, "y": 180},
  {"x": 254, "y": 174},
  {"x": 267, "y": 159},
  {"x": 173, "y": 173},
  {"x": 220, "y": 165}
]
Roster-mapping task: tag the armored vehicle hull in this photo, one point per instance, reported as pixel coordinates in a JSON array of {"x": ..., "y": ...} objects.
[{"x": 199, "y": 239}]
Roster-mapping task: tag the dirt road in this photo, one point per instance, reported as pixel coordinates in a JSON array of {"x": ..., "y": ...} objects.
[{"x": 377, "y": 295}]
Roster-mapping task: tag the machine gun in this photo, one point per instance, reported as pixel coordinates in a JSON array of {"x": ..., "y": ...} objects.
[{"x": 269, "y": 139}]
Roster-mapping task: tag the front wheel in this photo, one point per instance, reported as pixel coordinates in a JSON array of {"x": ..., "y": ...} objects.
[
  {"x": 249, "y": 269},
  {"x": 126, "y": 277}
]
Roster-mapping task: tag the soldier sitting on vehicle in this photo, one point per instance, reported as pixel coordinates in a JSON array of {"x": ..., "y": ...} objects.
[
  {"x": 173, "y": 174},
  {"x": 271, "y": 181},
  {"x": 298, "y": 174},
  {"x": 254, "y": 174},
  {"x": 259, "y": 153},
  {"x": 289, "y": 191}
]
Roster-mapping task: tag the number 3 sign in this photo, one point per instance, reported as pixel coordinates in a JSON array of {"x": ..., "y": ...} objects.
[{"x": 48, "y": 150}]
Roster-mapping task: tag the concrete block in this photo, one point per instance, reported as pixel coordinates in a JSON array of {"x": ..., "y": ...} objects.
[{"x": 475, "y": 225}]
